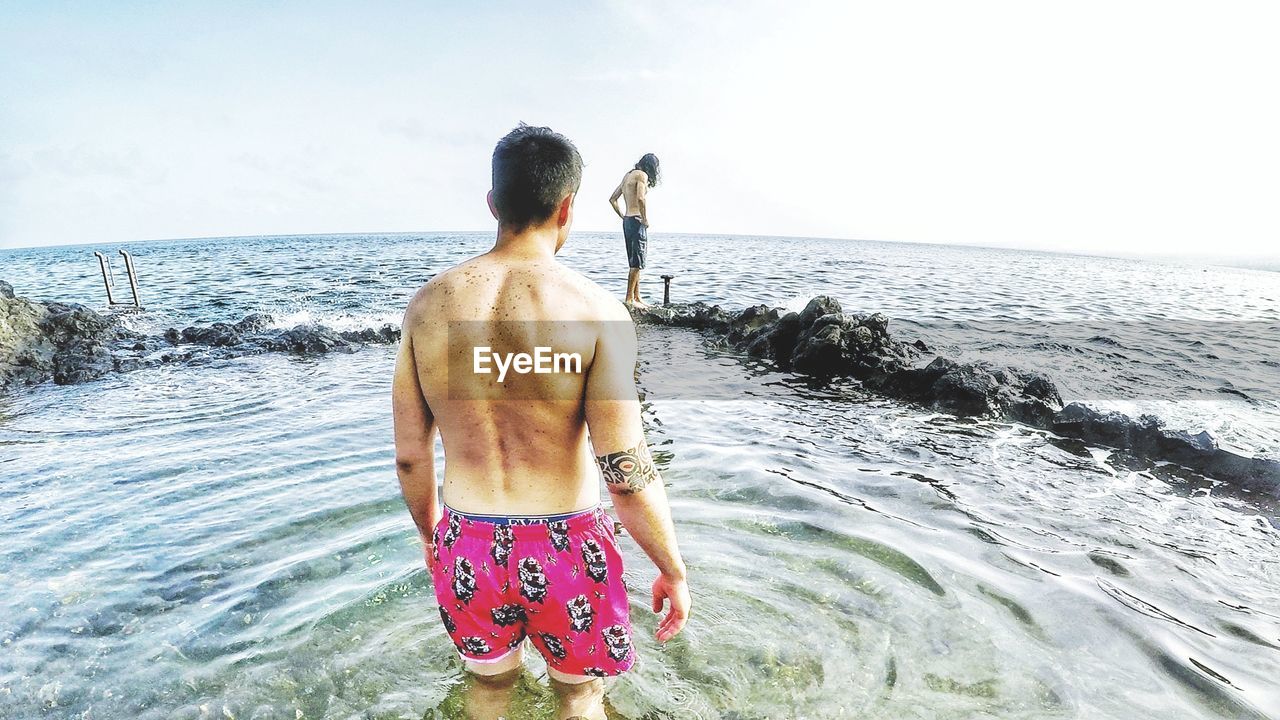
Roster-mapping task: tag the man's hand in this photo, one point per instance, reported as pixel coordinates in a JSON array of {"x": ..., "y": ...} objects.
[
  {"x": 429, "y": 552},
  {"x": 676, "y": 592},
  {"x": 429, "y": 543}
]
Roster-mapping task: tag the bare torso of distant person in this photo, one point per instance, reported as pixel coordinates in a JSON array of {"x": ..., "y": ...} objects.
[
  {"x": 632, "y": 184},
  {"x": 520, "y": 446}
]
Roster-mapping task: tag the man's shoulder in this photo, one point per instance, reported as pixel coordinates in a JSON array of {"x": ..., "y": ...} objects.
[
  {"x": 428, "y": 297},
  {"x": 596, "y": 301}
]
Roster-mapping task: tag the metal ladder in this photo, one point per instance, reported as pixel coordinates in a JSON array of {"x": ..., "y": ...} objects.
[{"x": 109, "y": 281}]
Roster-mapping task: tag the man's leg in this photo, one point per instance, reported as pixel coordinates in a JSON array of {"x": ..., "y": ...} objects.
[
  {"x": 635, "y": 294},
  {"x": 489, "y": 686},
  {"x": 577, "y": 696}
]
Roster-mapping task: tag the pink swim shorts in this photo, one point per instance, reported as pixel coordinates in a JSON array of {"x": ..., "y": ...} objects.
[{"x": 556, "y": 581}]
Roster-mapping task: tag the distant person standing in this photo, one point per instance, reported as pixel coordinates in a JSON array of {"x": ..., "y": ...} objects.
[{"x": 634, "y": 189}]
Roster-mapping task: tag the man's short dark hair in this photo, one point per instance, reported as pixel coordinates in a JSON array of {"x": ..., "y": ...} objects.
[{"x": 533, "y": 169}]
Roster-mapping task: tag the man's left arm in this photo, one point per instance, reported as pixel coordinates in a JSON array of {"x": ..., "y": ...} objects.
[
  {"x": 642, "y": 192},
  {"x": 415, "y": 432}
]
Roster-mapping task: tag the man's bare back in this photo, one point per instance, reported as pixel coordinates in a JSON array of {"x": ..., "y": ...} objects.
[
  {"x": 634, "y": 186},
  {"x": 514, "y": 456}
]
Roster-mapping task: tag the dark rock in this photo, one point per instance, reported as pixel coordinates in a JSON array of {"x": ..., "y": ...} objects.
[
  {"x": 698, "y": 315},
  {"x": 1039, "y": 386},
  {"x": 256, "y": 322},
  {"x": 968, "y": 389},
  {"x": 66, "y": 321},
  {"x": 6, "y": 290},
  {"x": 776, "y": 342},
  {"x": 878, "y": 323},
  {"x": 1146, "y": 437},
  {"x": 1107, "y": 428},
  {"x": 915, "y": 383},
  {"x": 1125, "y": 460},
  {"x": 1032, "y": 411},
  {"x": 861, "y": 339},
  {"x": 309, "y": 340},
  {"x": 820, "y": 350},
  {"x": 817, "y": 307},
  {"x": 80, "y": 361},
  {"x": 148, "y": 344},
  {"x": 215, "y": 335},
  {"x": 129, "y": 364},
  {"x": 747, "y": 322},
  {"x": 56, "y": 341}
]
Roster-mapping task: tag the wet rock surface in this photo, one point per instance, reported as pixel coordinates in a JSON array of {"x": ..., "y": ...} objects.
[
  {"x": 823, "y": 341},
  {"x": 68, "y": 343},
  {"x": 63, "y": 342}
]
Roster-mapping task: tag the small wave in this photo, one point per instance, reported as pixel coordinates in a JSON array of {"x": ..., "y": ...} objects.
[
  {"x": 1228, "y": 390},
  {"x": 338, "y": 321}
]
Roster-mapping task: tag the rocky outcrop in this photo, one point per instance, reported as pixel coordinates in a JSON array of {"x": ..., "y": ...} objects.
[
  {"x": 63, "y": 342},
  {"x": 825, "y": 342},
  {"x": 70, "y": 344}
]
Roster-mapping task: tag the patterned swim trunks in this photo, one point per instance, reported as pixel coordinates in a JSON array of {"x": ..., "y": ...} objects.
[{"x": 557, "y": 581}]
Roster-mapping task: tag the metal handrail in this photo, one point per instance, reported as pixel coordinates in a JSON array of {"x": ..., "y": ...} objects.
[
  {"x": 109, "y": 280},
  {"x": 133, "y": 277}
]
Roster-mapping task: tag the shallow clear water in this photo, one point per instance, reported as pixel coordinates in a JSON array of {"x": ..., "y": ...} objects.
[{"x": 228, "y": 539}]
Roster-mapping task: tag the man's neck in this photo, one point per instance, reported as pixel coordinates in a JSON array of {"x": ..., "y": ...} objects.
[{"x": 531, "y": 242}]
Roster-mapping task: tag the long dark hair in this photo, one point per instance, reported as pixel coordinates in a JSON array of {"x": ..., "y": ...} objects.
[{"x": 649, "y": 164}]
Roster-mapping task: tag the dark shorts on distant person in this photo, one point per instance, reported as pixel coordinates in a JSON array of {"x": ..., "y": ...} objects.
[
  {"x": 555, "y": 580},
  {"x": 637, "y": 237}
]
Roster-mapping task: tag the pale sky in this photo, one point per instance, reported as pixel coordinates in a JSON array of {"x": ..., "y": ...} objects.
[{"x": 1096, "y": 127}]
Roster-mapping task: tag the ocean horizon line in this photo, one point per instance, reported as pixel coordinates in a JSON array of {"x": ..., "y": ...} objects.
[{"x": 1241, "y": 262}]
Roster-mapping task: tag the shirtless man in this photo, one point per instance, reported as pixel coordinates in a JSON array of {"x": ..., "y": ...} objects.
[
  {"x": 519, "y": 546},
  {"x": 635, "y": 223}
]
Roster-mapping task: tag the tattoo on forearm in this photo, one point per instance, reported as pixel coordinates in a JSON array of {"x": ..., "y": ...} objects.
[{"x": 628, "y": 471}]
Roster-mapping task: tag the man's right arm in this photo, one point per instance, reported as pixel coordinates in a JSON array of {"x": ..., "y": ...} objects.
[
  {"x": 639, "y": 498},
  {"x": 415, "y": 431}
]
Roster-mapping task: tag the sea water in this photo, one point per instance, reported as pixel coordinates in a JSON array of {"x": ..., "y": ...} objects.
[{"x": 226, "y": 539}]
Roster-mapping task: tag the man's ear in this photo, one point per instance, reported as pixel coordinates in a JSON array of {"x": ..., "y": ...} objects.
[
  {"x": 492, "y": 208},
  {"x": 566, "y": 207}
]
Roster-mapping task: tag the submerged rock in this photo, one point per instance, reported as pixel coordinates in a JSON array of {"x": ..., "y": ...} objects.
[{"x": 1147, "y": 437}]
